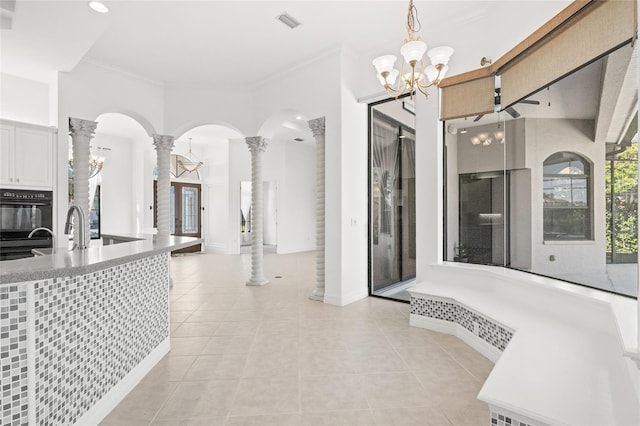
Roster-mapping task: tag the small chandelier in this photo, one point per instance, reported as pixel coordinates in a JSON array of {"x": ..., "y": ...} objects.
[
  {"x": 417, "y": 76},
  {"x": 190, "y": 165},
  {"x": 485, "y": 139}
]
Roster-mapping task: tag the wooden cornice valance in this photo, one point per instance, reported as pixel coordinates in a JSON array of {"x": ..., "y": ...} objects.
[{"x": 580, "y": 33}]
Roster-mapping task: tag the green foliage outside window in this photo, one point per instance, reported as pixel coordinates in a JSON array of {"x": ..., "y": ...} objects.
[{"x": 625, "y": 201}]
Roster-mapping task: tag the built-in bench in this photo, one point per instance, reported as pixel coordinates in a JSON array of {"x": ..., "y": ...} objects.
[{"x": 560, "y": 350}]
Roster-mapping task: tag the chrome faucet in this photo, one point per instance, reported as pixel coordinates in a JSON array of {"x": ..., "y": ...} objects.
[
  {"x": 82, "y": 238},
  {"x": 53, "y": 237}
]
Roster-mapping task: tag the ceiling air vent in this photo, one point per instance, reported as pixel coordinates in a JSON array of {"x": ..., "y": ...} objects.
[
  {"x": 288, "y": 20},
  {"x": 298, "y": 140}
]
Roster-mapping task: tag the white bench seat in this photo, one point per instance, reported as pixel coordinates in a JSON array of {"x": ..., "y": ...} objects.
[{"x": 565, "y": 362}]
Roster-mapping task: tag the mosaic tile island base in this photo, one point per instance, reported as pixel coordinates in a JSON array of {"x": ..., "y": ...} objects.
[{"x": 71, "y": 342}]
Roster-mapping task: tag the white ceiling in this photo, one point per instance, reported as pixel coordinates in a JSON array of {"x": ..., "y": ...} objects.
[
  {"x": 240, "y": 43},
  {"x": 224, "y": 43}
]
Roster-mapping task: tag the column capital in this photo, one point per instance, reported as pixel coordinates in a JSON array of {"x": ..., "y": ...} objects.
[
  {"x": 80, "y": 127},
  {"x": 163, "y": 142},
  {"x": 317, "y": 126},
  {"x": 257, "y": 143}
]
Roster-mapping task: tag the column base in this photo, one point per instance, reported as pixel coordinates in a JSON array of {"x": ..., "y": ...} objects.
[
  {"x": 257, "y": 281},
  {"x": 317, "y": 295}
]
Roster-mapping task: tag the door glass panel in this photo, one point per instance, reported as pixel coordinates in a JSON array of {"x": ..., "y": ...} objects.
[
  {"x": 172, "y": 211},
  {"x": 190, "y": 218},
  {"x": 392, "y": 242}
]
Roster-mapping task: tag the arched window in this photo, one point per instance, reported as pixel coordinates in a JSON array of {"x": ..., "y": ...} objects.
[{"x": 567, "y": 197}]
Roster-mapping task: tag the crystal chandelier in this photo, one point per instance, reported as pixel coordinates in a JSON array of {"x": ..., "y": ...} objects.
[
  {"x": 417, "y": 76},
  {"x": 189, "y": 164}
]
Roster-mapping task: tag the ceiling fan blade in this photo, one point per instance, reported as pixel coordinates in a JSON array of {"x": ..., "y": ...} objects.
[
  {"x": 478, "y": 117},
  {"x": 512, "y": 112},
  {"x": 529, "y": 101}
]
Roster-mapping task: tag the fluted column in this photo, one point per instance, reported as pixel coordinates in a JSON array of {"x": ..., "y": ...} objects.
[
  {"x": 257, "y": 146},
  {"x": 163, "y": 145},
  {"x": 317, "y": 128},
  {"x": 81, "y": 132}
]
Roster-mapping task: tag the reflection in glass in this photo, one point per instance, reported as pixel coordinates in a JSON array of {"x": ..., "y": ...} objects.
[
  {"x": 392, "y": 200},
  {"x": 622, "y": 202},
  {"x": 565, "y": 193},
  {"x": 569, "y": 170},
  {"x": 482, "y": 230},
  {"x": 477, "y": 190}
]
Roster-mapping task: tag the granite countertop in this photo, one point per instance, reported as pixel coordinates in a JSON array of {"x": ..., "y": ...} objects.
[{"x": 70, "y": 263}]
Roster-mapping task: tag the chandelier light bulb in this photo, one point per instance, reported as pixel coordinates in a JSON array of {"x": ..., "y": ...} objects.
[
  {"x": 432, "y": 73},
  {"x": 440, "y": 55},
  {"x": 413, "y": 51},
  {"x": 476, "y": 140},
  {"x": 384, "y": 63},
  {"x": 391, "y": 78}
]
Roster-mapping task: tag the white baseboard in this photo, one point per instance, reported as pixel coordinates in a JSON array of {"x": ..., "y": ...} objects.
[
  {"x": 490, "y": 352},
  {"x": 345, "y": 300},
  {"x": 215, "y": 248},
  {"x": 107, "y": 403}
]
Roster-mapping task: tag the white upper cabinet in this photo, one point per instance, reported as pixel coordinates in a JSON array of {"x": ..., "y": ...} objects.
[{"x": 26, "y": 156}]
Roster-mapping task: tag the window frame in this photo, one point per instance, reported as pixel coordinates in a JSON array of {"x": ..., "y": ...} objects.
[{"x": 587, "y": 177}]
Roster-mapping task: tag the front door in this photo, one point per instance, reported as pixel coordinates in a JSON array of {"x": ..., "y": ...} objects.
[{"x": 185, "y": 212}]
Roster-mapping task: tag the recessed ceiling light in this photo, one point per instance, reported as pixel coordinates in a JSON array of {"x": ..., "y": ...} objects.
[
  {"x": 98, "y": 6},
  {"x": 298, "y": 117}
]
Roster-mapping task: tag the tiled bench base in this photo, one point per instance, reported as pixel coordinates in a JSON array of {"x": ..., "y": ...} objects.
[
  {"x": 451, "y": 313},
  {"x": 479, "y": 331}
]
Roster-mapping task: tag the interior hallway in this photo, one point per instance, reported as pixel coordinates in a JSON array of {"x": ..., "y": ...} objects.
[{"x": 270, "y": 356}]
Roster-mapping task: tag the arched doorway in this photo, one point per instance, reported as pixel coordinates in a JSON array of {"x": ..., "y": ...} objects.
[
  {"x": 122, "y": 188},
  {"x": 208, "y": 187}
]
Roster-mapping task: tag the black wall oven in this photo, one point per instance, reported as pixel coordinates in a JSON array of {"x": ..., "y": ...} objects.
[{"x": 22, "y": 211}]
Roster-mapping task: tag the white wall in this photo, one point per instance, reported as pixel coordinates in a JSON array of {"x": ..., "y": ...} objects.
[
  {"x": 89, "y": 91},
  {"x": 353, "y": 183},
  {"x": 270, "y": 210},
  {"x": 216, "y": 195},
  {"x": 188, "y": 107},
  {"x": 573, "y": 259},
  {"x": 25, "y": 100},
  {"x": 115, "y": 181},
  {"x": 297, "y": 214},
  {"x": 429, "y": 193},
  {"x": 314, "y": 89}
]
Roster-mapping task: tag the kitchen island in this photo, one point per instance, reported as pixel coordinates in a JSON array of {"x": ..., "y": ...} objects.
[{"x": 79, "y": 329}]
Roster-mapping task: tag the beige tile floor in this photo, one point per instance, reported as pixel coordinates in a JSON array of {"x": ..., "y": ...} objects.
[{"x": 270, "y": 356}]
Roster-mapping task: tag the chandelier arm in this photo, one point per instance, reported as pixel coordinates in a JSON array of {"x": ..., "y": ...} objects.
[{"x": 423, "y": 89}]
